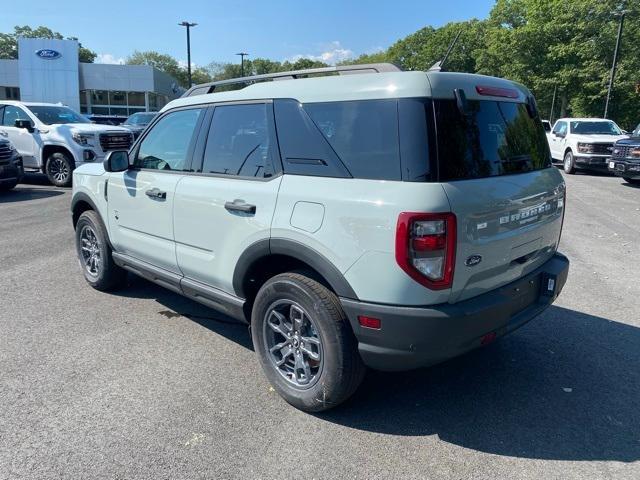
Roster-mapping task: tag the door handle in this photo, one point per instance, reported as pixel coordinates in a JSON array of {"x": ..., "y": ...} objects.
[
  {"x": 156, "y": 193},
  {"x": 240, "y": 206}
]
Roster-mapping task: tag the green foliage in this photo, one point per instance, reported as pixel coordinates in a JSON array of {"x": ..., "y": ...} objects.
[
  {"x": 9, "y": 42},
  {"x": 543, "y": 44}
]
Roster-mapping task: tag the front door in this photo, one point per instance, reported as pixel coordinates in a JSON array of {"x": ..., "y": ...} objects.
[
  {"x": 558, "y": 140},
  {"x": 21, "y": 138},
  {"x": 141, "y": 199},
  {"x": 229, "y": 202}
]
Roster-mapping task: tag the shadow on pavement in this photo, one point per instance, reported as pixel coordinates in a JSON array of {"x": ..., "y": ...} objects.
[
  {"x": 564, "y": 387},
  {"x": 24, "y": 194}
]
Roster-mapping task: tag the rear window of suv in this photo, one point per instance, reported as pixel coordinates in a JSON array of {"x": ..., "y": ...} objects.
[{"x": 491, "y": 139}]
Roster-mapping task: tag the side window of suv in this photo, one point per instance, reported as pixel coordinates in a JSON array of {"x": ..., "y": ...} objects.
[
  {"x": 11, "y": 114},
  {"x": 560, "y": 128},
  {"x": 239, "y": 142},
  {"x": 167, "y": 145}
]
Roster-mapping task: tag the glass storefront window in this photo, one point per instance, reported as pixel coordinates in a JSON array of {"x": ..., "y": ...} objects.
[
  {"x": 118, "y": 98},
  {"x": 136, "y": 99},
  {"x": 118, "y": 111},
  {"x": 136, "y": 110},
  {"x": 100, "y": 110},
  {"x": 99, "y": 97}
]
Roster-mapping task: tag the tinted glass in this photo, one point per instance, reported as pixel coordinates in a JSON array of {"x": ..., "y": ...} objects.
[
  {"x": 11, "y": 114},
  {"x": 238, "y": 142},
  {"x": 594, "y": 128},
  {"x": 57, "y": 115},
  {"x": 166, "y": 146},
  {"x": 415, "y": 120},
  {"x": 304, "y": 149},
  {"x": 364, "y": 135},
  {"x": 495, "y": 138}
]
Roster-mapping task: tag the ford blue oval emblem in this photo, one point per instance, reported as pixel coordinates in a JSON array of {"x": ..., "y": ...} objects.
[
  {"x": 473, "y": 260},
  {"x": 48, "y": 54}
]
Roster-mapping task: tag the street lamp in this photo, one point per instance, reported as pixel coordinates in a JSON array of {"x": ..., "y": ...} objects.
[
  {"x": 242, "y": 55},
  {"x": 188, "y": 26},
  {"x": 619, "y": 13}
]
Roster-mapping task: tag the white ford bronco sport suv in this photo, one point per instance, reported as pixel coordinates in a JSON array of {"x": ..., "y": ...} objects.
[
  {"x": 386, "y": 219},
  {"x": 54, "y": 139}
]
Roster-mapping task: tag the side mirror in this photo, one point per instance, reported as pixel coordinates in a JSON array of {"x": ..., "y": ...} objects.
[
  {"x": 116, "y": 161},
  {"x": 24, "y": 124}
]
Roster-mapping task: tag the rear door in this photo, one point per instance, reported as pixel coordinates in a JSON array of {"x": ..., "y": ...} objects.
[
  {"x": 508, "y": 200},
  {"x": 141, "y": 199},
  {"x": 228, "y": 203}
]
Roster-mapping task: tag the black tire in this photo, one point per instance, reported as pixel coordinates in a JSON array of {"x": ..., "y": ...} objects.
[
  {"x": 340, "y": 369},
  {"x": 5, "y": 187},
  {"x": 632, "y": 181},
  {"x": 107, "y": 276},
  {"x": 59, "y": 169},
  {"x": 569, "y": 164}
]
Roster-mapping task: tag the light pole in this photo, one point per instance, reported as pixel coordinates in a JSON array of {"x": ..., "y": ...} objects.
[
  {"x": 188, "y": 26},
  {"x": 242, "y": 55},
  {"x": 620, "y": 13}
]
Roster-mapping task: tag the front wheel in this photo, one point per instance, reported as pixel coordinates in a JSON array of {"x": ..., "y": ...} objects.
[
  {"x": 304, "y": 342},
  {"x": 632, "y": 181},
  {"x": 59, "y": 168},
  {"x": 94, "y": 254},
  {"x": 569, "y": 163}
]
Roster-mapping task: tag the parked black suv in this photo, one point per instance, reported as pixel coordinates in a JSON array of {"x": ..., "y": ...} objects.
[
  {"x": 11, "y": 169},
  {"x": 625, "y": 161}
]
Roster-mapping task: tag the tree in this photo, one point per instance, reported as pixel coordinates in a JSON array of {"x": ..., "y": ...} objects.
[{"x": 9, "y": 42}]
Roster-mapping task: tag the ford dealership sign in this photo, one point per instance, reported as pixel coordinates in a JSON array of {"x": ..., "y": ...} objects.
[{"x": 48, "y": 54}]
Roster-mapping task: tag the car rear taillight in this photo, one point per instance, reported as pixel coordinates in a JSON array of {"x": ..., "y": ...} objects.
[{"x": 426, "y": 247}]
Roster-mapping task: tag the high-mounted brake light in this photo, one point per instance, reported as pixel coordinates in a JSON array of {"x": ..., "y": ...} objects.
[
  {"x": 426, "y": 247},
  {"x": 497, "y": 91}
]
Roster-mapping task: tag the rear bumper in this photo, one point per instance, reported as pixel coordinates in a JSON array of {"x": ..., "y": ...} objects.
[{"x": 413, "y": 337}]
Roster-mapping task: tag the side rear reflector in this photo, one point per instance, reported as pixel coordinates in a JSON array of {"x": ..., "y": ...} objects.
[{"x": 369, "y": 322}]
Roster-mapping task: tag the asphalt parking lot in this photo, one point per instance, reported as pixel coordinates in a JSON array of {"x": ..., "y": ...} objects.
[{"x": 146, "y": 384}]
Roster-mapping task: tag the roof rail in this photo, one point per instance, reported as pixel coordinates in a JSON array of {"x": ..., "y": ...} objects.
[{"x": 210, "y": 87}]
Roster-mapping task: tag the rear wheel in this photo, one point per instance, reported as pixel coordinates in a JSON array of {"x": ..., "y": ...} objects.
[
  {"x": 59, "y": 168},
  {"x": 569, "y": 163},
  {"x": 304, "y": 342},
  {"x": 94, "y": 254},
  {"x": 632, "y": 181}
]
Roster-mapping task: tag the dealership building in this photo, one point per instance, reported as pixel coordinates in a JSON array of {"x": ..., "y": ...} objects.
[{"x": 48, "y": 70}]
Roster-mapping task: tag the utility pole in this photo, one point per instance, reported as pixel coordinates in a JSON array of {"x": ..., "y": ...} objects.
[
  {"x": 553, "y": 104},
  {"x": 188, "y": 26},
  {"x": 620, "y": 13},
  {"x": 242, "y": 55}
]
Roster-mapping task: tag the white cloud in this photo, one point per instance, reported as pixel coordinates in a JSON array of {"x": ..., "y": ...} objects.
[
  {"x": 109, "y": 58},
  {"x": 331, "y": 53}
]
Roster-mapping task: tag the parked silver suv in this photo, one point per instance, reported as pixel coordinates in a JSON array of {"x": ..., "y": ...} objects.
[{"x": 388, "y": 219}]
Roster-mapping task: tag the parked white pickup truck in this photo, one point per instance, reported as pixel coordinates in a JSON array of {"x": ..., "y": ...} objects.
[
  {"x": 55, "y": 140},
  {"x": 583, "y": 143}
]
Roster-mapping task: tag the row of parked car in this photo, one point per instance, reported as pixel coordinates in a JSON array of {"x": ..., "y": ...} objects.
[
  {"x": 54, "y": 139},
  {"x": 595, "y": 144}
]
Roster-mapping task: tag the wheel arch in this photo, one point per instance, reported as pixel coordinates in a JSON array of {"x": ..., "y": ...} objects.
[
  {"x": 50, "y": 149},
  {"x": 267, "y": 258}
]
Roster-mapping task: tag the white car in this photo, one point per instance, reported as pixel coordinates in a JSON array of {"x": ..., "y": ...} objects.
[
  {"x": 54, "y": 139},
  {"x": 583, "y": 143}
]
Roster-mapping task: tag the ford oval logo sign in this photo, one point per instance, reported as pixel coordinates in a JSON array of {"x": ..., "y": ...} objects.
[
  {"x": 48, "y": 54},
  {"x": 473, "y": 260}
]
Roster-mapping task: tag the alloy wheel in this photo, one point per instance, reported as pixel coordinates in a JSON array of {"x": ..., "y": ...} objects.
[
  {"x": 90, "y": 250},
  {"x": 292, "y": 343},
  {"x": 59, "y": 170}
]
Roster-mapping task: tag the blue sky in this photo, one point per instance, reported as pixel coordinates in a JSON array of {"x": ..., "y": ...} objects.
[{"x": 276, "y": 29}]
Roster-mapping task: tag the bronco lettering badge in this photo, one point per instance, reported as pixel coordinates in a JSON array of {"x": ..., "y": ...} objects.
[{"x": 473, "y": 260}]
